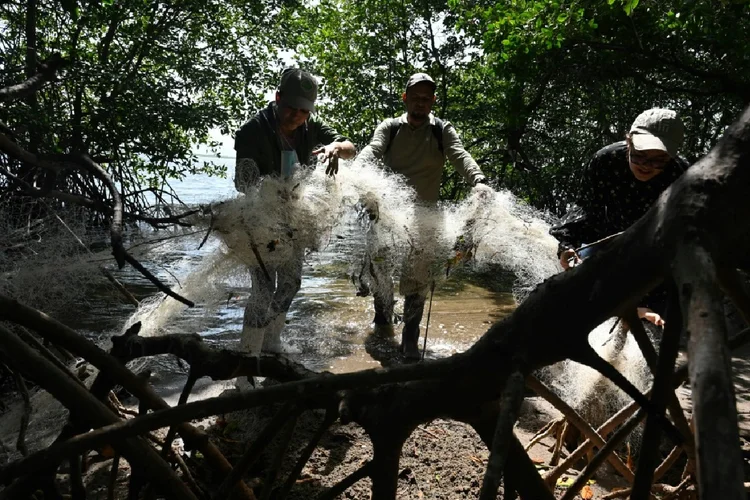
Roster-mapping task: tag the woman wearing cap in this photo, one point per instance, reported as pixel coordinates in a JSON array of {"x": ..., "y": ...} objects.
[
  {"x": 287, "y": 131},
  {"x": 621, "y": 183},
  {"x": 272, "y": 143}
]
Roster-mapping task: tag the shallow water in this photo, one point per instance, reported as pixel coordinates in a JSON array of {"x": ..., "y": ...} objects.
[{"x": 328, "y": 326}]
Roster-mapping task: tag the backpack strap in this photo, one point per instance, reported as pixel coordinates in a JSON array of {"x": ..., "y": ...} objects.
[
  {"x": 393, "y": 128},
  {"x": 437, "y": 131}
]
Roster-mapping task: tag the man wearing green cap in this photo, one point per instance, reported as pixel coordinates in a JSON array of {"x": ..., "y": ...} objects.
[
  {"x": 416, "y": 145},
  {"x": 273, "y": 143},
  {"x": 620, "y": 184}
]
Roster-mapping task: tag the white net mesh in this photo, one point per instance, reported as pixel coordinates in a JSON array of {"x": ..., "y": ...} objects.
[
  {"x": 45, "y": 256},
  {"x": 591, "y": 394},
  {"x": 376, "y": 221}
]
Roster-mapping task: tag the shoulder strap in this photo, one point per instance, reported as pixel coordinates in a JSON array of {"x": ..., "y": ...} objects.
[
  {"x": 437, "y": 131},
  {"x": 393, "y": 127}
]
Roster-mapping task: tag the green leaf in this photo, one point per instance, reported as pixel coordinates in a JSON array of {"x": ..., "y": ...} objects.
[{"x": 630, "y": 5}]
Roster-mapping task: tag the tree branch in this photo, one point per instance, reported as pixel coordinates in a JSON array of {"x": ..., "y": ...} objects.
[
  {"x": 46, "y": 73},
  {"x": 87, "y": 408},
  {"x": 589, "y": 433},
  {"x": 661, "y": 394},
  {"x": 602, "y": 454},
  {"x": 114, "y": 372},
  {"x": 720, "y": 469},
  {"x": 253, "y": 452},
  {"x": 509, "y": 407}
]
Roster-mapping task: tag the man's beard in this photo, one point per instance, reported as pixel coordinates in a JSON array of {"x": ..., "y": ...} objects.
[{"x": 418, "y": 116}]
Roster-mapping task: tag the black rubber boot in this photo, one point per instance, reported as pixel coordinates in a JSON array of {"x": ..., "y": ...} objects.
[
  {"x": 382, "y": 296},
  {"x": 413, "y": 309},
  {"x": 383, "y": 311}
]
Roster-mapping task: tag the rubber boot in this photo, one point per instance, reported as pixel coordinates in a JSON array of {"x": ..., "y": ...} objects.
[
  {"x": 382, "y": 294},
  {"x": 383, "y": 310},
  {"x": 251, "y": 341},
  {"x": 413, "y": 309},
  {"x": 272, "y": 339}
]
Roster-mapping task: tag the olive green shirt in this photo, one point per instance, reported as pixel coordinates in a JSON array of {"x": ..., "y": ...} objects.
[{"x": 416, "y": 155}]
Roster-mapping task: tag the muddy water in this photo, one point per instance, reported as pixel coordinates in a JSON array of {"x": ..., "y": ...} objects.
[{"x": 328, "y": 326}]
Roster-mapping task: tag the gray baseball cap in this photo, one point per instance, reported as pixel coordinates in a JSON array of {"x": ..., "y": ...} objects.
[
  {"x": 658, "y": 128},
  {"x": 298, "y": 89},
  {"x": 419, "y": 78}
]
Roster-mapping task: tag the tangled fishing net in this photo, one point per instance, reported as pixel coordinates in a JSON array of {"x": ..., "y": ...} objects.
[
  {"x": 364, "y": 215},
  {"x": 46, "y": 259}
]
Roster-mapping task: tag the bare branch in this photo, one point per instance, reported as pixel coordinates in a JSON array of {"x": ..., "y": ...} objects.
[
  {"x": 330, "y": 418},
  {"x": 602, "y": 454},
  {"x": 509, "y": 407},
  {"x": 183, "y": 399},
  {"x": 661, "y": 394},
  {"x": 21, "y": 441},
  {"x": 116, "y": 226},
  {"x": 156, "y": 281},
  {"x": 714, "y": 407},
  {"x": 114, "y": 372},
  {"x": 46, "y": 73},
  {"x": 253, "y": 452},
  {"x": 278, "y": 459},
  {"x": 78, "y": 400},
  {"x": 569, "y": 413}
]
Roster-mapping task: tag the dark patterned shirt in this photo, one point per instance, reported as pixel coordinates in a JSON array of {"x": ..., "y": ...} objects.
[{"x": 610, "y": 199}]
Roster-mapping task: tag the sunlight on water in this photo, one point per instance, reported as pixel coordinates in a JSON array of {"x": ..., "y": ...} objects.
[
  {"x": 469, "y": 249},
  {"x": 363, "y": 211}
]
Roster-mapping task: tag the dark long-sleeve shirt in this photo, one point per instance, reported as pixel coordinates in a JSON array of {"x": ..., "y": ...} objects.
[
  {"x": 259, "y": 146},
  {"x": 610, "y": 199}
]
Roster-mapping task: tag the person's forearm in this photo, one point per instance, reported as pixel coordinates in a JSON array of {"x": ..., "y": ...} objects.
[
  {"x": 461, "y": 159},
  {"x": 469, "y": 169}
]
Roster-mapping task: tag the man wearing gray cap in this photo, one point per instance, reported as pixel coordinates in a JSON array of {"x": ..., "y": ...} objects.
[
  {"x": 274, "y": 142},
  {"x": 416, "y": 145},
  {"x": 620, "y": 184}
]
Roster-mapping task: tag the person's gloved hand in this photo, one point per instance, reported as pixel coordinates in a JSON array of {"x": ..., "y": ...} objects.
[{"x": 481, "y": 188}]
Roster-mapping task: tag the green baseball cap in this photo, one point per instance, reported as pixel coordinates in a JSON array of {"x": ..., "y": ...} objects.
[
  {"x": 658, "y": 128},
  {"x": 298, "y": 89}
]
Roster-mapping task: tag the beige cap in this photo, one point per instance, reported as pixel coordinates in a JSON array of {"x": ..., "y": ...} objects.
[
  {"x": 658, "y": 128},
  {"x": 419, "y": 78}
]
